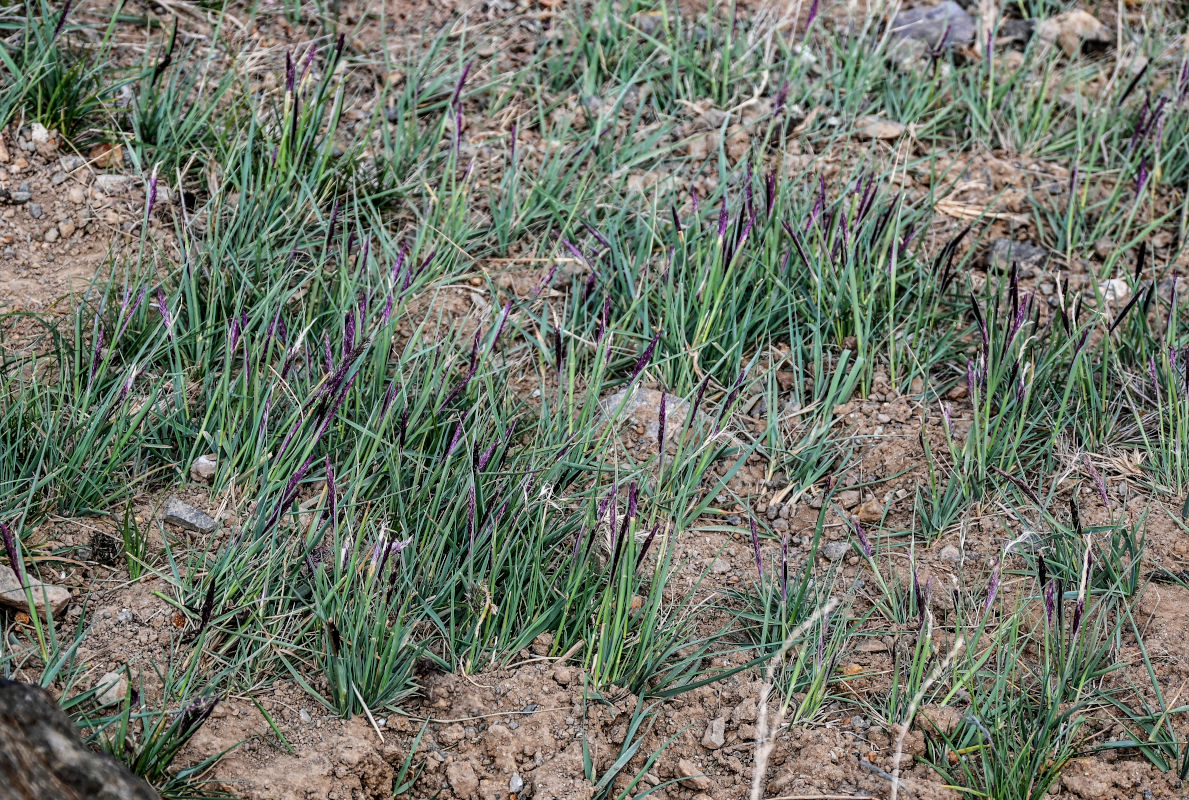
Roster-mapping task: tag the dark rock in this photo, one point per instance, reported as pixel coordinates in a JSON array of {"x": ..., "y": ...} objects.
[
  {"x": 42, "y": 756},
  {"x": 1005, "y": 252},
  {"x": 1015, "y": 31},
  {"x": 188, "y": 517},
  {"x": 943, "y": 25}
]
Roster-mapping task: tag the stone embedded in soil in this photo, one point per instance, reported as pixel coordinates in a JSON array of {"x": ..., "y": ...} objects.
[
  {"x": 1005, "y": 252},
  {"x": 835, "y": 551},
  {"x": 642, "y": 408},
  {"x": 1073, "y": 29},
  {"x": 12, "y": 594},
  {"x": 943, "y": 25},
  {"x": 875, "y": 128},
  {"x": 188, "y": 517},
  {"x": 203, "y": 469},
  {"x": 871, "y": 511},
  {"x": 112, "y": 688},
  {"x": 462, "y": 778},
  {"x": 715, "y": 735},
  {"x": 849, "y": 498},
  {"x": 942, "y": 719},
  {"x": 112, "y": 184},
  {"x": 949, "y": 553},
  {"x": 692, "y": 775}
]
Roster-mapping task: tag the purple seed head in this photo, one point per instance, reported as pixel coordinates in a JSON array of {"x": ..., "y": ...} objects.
[
  {"x": 499, "y": 328},
  {"x": 290, "y": 72},
  {"x": 781, "y": 97},
  {"x": 163, "y": 310},
  {"x": 1141, "y": 176},
  {"x": 812, "y": 15},
  {"x": 660, "y": 424},
  {"x": 723, "y": 218},
  {"x": 1050, "y": 594},
  {"x": 992, "y": 588},
  {"x": 14, "y": 558},
  {"x": 784, "y": 569},
  {"x": 454, "y": 441},
  {"x": 152, "y": 194},
  {"x": 642, "y": 362},
  {"x": 604, "y": 317},
  {"x": 1078, "y": 610},
  {"x": 647, "y": 544},
  {"x": 462, "y": 79},
  {"x": 755, "y": 544},
  {"x": 62, "y": 19},
  {"x": 864, "y": 542},
  {"x": 471, "y": 502}
]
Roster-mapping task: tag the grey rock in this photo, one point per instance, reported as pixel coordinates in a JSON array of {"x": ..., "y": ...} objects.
[
  {"x": 45, "y": 595},
  {"x": 41, "y": 754},
  {"x": 112, "y": 184},
  {"x": 1015, "y": 30},
  {"x": 36, "y": 211},
  {"x": 1005, "y": 252},
  {"x": 204, "y": 468},
  {"x": 720, "y": 566},
  {"x": 943, "y": 25},
  {"x": 188, "y": 517},
  {"x": 112, "y": 688},
  {"x": 949, "y": 553},
  {"x": 642, "y": 407},
  {"x": 835, "y": 551},
  {"x": 20, "y": 196},
  {"x": 304, "y": 716},
  {"x": 515, "y": 783},
  {"x": 715, "y": 735}
]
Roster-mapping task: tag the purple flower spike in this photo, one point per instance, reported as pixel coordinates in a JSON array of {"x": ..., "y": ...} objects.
[
  {"x": 1050, "y": 593},
  {"x": 1141, "y": 176},
  {"x": 784, "y": 569},
  {"x": 62, "y": 19},
  {"x": 97, "y": 356},
  {"x": 454, "y": 442},
  {"x": 462, "y": 79},
  {"x": 1099, "y": 481},
  {"x": 163, "y": 309},
  {"x": 723, "y": 218},
  {"x": 812, "y": 15},
  {"x": 471, "y": 501},
  {"x": 152, "y": 194},
  {"x": 499, "y": 328},
  {"x": 755, "y": 544},
  {"x": 10, "y": 549},
  {"x": 781, "y": 97},
  {"x": 642, "y": 362},
  {"x": 660, "y": 424},
  {"x": 1078, "y": 610},
  {"x": 647, "y": 544},
  {"x": 992, "y": 588},
  {"x": 864, "y": 542}
]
